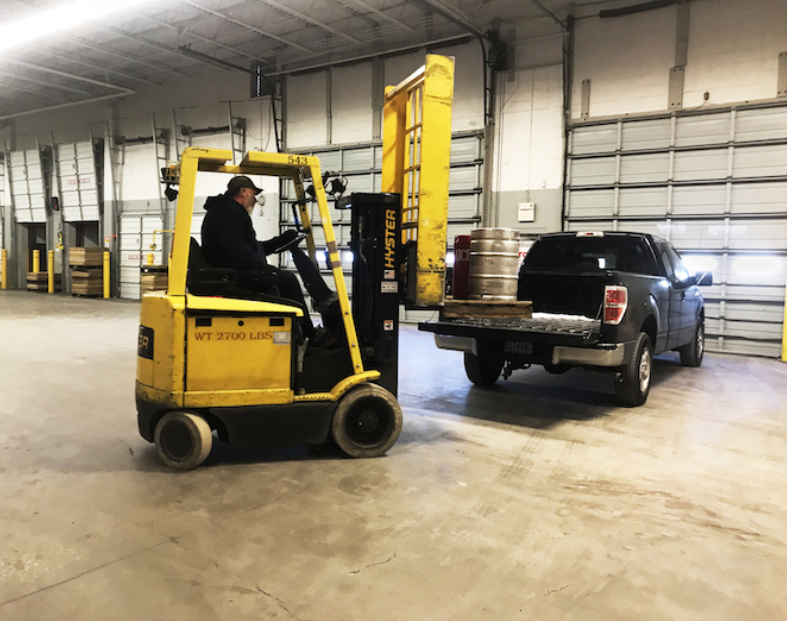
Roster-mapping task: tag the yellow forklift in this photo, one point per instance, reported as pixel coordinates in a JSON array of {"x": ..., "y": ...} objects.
[{"x": 215, "y": 356}]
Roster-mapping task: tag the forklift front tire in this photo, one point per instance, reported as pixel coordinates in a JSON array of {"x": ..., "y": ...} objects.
[
  {"x": 367, "y": 421},
  {"x": 183, "y": 440}
]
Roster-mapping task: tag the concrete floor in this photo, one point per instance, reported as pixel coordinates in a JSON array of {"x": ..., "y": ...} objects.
[{"x": 538, "y": 499}]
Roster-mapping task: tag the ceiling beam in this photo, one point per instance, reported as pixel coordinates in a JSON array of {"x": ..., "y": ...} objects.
[
  {"x": 354, "y": 13},
  {"x": 28, "y": 91},
  {"x": 237, "y": 22},
  {"x": 70, "y": 76},
  {"x": 381, "y": 14},
  {"x": 555, "y": 18},
  {"x": 25, "y": 78},
  {"x": 190, "y": 33},
  {"x": 212, "y": 60},
  {"x": 309, "y": 20},
  {"x": 128, "y": 76},
  {"x": 127, "y": 57},
  {"x": 3, "y": 95},
  {"x": 150, "y": 43},
  {"x": 452, "y": 15}
]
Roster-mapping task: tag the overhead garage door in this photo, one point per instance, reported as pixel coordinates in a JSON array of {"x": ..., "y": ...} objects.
[
  {"x": 78, "y": 181},
  {"x": 136, "y": 237},
  {"x": 714, "y": 183},
  {"x": 27, "y": 186}
]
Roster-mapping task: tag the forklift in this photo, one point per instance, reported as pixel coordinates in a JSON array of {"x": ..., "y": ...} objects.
[{"x": 215, "y": 356}]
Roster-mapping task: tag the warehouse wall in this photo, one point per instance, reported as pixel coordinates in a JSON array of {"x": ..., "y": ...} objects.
[
  {"x": 733, "y": 50},
  {"x": 334, "y": 106},
  {"x": 529, "y": 136}
]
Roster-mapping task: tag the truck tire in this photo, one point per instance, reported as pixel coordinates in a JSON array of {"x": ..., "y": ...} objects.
[
  {"x": 482, "y": 371},
  {"x": 367, "y": 422},
  {"x": 691, "y": 353},
  {"x": 633, "y": 384},
  {"x": 183, "y": 440}
]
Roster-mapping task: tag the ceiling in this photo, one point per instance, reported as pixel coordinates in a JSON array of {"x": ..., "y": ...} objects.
[{"x": 161, "y": 41}]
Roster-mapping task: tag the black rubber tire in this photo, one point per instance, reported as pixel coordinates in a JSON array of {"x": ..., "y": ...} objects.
[
  {"x": 691, "y": 353},
  {"x": 367, "y": 421},
  {"x": 482, "y": 371},
  {"x": 183, "y": 440},
  {"x": 557, "y": 369},
  {"x": 633, "y": 384}
]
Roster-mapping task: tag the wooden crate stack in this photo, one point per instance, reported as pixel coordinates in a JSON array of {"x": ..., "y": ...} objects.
[
  {"x": 87, "y": 271},
  {"x": 39, "y": 281},
  {"x": 153, "y": 278}
]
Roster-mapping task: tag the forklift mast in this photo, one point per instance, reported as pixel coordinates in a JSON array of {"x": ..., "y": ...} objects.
[{"x": 416, "y": 165}]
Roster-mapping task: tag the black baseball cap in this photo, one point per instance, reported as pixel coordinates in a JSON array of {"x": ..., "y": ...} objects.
[{"x": 236, "y": 184}]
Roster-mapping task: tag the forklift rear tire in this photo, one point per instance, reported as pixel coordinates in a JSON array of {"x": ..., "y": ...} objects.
[
  {"x": 183, "y": 440},
  {"x": 367, "y": 421},
  {"x": 482, "y": 371}
]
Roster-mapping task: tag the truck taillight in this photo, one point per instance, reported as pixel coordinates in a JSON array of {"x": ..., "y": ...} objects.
[{"x": 615, "y": 303}]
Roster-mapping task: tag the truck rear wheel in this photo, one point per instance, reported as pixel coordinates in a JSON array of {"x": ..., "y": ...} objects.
[
  {"x": 633, "y": 385},
  {"x": 183, "y": 440},
  {"x": 367, "y": 422},
  {"x": 691, "y": 353},
  {"x": 482, "y": 371}
]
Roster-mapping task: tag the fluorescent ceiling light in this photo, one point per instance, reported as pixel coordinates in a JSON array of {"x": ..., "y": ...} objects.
[{"x": 67, "y": 17}]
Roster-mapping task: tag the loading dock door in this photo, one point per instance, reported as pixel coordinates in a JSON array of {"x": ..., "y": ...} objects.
[
  {"x": 714, "y": 183},
  {"x": 136, "y": 237}
]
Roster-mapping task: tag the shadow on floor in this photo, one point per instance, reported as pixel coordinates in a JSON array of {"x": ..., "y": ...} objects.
[{"x": 537, "y": 399}]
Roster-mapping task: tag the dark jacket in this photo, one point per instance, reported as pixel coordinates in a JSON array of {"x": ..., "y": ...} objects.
[{"x": 228, "y": 237}]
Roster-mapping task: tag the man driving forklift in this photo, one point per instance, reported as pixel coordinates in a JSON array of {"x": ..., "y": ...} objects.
[{"x": 229, "y": 241}]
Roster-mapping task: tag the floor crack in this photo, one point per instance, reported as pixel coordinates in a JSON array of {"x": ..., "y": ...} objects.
[
  {"x": 550, "y": 591},
  {"x": 388, "y": 560},
  {"x": 281, "y": 603}
]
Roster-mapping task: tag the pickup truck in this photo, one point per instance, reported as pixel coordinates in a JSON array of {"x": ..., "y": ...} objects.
[{"x": 604, "y": 301}]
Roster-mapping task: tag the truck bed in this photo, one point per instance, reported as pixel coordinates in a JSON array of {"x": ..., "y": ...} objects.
[{"x": 557, "y": 329}]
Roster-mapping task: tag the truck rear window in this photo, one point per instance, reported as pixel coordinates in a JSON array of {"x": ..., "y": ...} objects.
[{"x": 590, "y": 254}]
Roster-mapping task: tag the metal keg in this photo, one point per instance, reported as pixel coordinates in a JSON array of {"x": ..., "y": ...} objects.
[{"x": 494, "y": 263}]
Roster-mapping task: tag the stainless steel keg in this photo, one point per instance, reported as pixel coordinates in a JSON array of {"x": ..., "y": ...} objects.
[{"x": 494, "y": 263}]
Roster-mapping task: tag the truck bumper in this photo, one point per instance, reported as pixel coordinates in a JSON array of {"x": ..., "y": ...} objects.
[
  {"x": 603, "y": 355},
  {"x": 456, "y": 343},
  {"x": 611, "y": 355}
]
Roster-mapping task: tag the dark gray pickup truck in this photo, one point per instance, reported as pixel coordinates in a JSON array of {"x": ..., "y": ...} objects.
[{"x": 606, "y": 301}]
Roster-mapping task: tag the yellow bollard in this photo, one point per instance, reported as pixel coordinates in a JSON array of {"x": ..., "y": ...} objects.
[
  {"x": 106, "y": 274},
  {"x": 784, "y": 336},
  {"x": 4, "y": 269},
  {"x": 50, "y": 271},
  {"x": 36, "y": 261},
  {"x": 151, "y": 257}
]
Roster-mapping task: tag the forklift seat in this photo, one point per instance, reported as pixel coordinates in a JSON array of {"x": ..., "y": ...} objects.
[{"x": 202, "y": 279}]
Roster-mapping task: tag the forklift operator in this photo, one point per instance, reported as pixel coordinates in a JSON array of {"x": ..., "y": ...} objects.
[{"x": 229, "y": 240}]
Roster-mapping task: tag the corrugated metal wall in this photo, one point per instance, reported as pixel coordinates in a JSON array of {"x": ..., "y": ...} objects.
[{"x": 714, "y": 183}]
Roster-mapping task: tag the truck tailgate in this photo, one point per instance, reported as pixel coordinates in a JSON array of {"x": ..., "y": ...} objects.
[{"x": 554, "y": 329}]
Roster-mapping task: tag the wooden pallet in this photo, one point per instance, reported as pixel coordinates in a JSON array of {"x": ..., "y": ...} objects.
[
  {"x": 153, "y": 282},
  {"x": 87, "y": 290},
  {"x": 39, "y": 281},
  {"x": 482, "y": 309},
  {"x": 87, "y": 281},
  {"x": 83, "y": 257}
]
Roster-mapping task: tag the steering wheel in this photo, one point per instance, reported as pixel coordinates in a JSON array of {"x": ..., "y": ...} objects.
[{"x": 293, "y": 242}]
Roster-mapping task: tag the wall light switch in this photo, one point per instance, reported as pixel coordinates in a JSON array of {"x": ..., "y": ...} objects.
[{"x": 527, "y": 212}]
